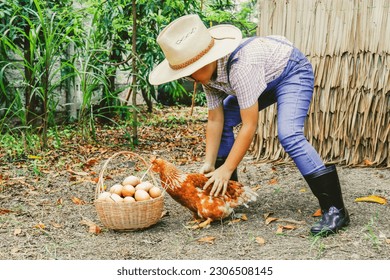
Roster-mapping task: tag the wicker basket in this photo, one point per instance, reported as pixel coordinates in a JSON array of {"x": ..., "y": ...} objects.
[{"x": 128, "y": 216}]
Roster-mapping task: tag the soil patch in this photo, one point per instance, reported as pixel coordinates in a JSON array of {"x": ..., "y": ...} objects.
[{"x": 45, "y": 202}]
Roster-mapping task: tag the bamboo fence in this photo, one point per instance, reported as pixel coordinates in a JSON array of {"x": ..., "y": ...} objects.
[{"x": 348, "y": 44}]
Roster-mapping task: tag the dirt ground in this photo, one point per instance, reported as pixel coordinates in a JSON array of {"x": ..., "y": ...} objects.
[{"x": 44, "y": 216}]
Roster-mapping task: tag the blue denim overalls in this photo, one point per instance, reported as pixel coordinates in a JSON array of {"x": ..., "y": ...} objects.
[{"x": 292, "y": 91}]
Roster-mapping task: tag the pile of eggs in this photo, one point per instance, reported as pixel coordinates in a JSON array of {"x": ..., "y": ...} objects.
[{"x": 130, "y": 190}]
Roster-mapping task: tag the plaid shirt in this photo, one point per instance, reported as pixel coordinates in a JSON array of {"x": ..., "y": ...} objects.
[{"x": 259, "y": 62}]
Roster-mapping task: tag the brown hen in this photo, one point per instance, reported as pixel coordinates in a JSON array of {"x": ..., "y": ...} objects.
[{"x": 187, "y": 189}]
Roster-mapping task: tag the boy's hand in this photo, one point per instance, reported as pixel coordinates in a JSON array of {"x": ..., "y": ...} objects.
[
  {"x": 219, "y": 178},
  {"x": 206, "y": 168}
]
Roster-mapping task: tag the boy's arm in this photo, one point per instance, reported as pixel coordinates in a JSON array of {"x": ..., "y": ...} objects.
[
  {"x": 220, "y": 177},
  {"x": 213, "y": 137}
]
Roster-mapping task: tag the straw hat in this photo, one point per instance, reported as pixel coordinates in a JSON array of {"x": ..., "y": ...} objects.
[{"x": 188, "y": 46}]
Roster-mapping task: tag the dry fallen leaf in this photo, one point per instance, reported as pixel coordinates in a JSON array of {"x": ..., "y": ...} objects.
[
  {"x": 317, "y": 213},
  {"x": 4, "y": 211},
  {"x": 87, "y": 222},
  {"x": 372, "y": 198},
  {"x": 273, "y": 181},
  {"x": 266, "y": 215},
  {"x": 260, "y": 240},
  {"x": 56, "y": 225},
  {"x": 270, "y": 220},
  {"x": 91, "y": 162},
  {"x": 79, "y": 173},
  {"x": 95, "y": 180},
  {"x": 78, "y": 201},
  {"x": 241, "y": 216},
  {"x": 34, "y": 157},
  {"x": 164, "y": 214},
  {"x": 40, "y": 225},
  {"x": 234, "y": 221},
  {"x": 289, "y": 227},
  {"x": 388, "y": 240},
  {"x": 59, "y": 201},
  {"x": 93, "y": 228},
  {"x": 17, "y": 231},
  {"x": 367, "y": 162},
  {"x": 207, "y": 239}
]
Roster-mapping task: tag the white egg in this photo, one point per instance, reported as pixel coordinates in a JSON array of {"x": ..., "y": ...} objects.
[
  {"x": 128, "y": 190},
  {"x": 146, "y": 186},
  {"x": 104, "y": 196},
  {"x": 129, "y": 199},
  {"x": 141, "y": 195},
  {"x": 115, "y": 198},
  {"x": 155, "y": 192},
  {"x": 117, "y": 189},
  {"x": 131, "y": 180}
]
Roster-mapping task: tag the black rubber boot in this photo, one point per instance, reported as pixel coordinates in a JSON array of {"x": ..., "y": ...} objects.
[
  {"x": 325, "y": 186},
  {"x": 221, "y": 161}
]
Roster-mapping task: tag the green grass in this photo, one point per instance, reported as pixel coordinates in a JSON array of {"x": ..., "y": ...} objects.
[
  {"x": 317, "y": 245},
  {"x": 370, "y": 234}
]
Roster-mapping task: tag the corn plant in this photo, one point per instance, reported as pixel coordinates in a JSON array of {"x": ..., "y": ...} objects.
[
  {"x": 36, "y": 37},
  {"x": 92, "y": 82}
]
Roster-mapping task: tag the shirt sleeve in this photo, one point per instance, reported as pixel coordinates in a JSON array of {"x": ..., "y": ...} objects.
[
  {"x": 214, "y": 97},
  {"x": 248, "y": 82}
]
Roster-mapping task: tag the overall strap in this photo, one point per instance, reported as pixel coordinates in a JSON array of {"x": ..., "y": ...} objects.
[{"x": 231, "y": 60}]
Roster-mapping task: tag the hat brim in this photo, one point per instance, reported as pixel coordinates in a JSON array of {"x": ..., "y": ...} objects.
[{"x": 227, "y": 38}]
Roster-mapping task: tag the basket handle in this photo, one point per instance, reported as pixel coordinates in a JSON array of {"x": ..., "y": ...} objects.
[{"x": 99, "y": 185}]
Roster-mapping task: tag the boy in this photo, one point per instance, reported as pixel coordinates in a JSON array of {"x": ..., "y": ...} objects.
[{"x": 241, "y": 77}]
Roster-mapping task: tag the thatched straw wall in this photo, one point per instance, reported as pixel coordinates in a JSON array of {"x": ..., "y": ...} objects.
[{"x": 348, "y": 43}]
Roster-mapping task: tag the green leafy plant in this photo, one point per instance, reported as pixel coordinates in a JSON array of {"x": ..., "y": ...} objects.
[
  {"x": 231, "y": 12},
  {"x": 11, "y": 146},
  {"x": 318, "y": 245},
  {"x": 107, "y": 37},
  {"x": 37, "y": 38},
  {"x": 370, "y": 234}
]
